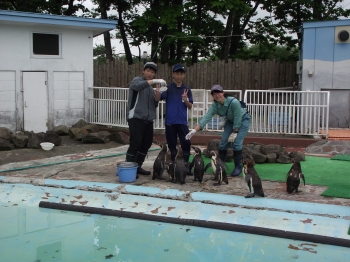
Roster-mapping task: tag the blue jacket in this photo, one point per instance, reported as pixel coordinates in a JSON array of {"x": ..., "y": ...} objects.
[{"x": 176, "y": 109}]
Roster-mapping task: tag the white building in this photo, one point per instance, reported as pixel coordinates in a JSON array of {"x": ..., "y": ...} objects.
[{"x": 46, "y": 67}]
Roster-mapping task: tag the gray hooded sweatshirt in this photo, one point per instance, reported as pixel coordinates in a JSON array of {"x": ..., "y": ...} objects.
[{"x": 141, "y": 103}]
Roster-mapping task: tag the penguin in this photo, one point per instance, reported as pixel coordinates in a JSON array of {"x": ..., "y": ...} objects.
[
  {"x": 169, "y": 166},
  {"x": 219, "y": 168},
  {"x": 158, "y": 165},
  {"x": 198, "y": 165},
  {"x": 293, "y": 176},
  {"x": 180, "y": 168},
  {"x": 252, "y": 179}
]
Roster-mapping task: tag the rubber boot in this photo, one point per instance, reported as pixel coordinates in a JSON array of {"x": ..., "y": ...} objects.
[
  {"x": 237, "y": 155},
  {"x": 222, "y": 155},
  {"x": 139, "y": 159},
  {"x": 131, "y": 158}
]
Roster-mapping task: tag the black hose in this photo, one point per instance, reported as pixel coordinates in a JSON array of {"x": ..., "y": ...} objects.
[{"x": 203, "y": 223}]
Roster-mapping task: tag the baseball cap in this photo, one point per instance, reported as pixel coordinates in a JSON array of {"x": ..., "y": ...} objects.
[
  {"x": 217, "y": 88},
  {"x": 151, "y": 65},
  {"x": 179, "y": 67}
]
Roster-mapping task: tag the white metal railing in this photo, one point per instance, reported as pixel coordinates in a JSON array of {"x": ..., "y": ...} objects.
[{"x": 286, "y": 112}]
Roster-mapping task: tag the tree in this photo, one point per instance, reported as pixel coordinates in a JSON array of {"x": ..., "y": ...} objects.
[
  {"x": 57, "y": 7},
  {"x": 290, "y": 14}
]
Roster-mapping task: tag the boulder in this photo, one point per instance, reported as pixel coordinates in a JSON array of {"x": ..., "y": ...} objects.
[
  {"x": 6, "y": 134},
  {"x": 77, "y": 133},
  {"x": 53, "y": 138},
  {"x": 120, "y": 137},
  {"x": 5, "y": 145},
  {"x": 284, "y": 159},
  {"x": 61, "y": 130},
  {"x": 20, "y": 140},
  {"x": 80, "y": 124},
  {"x": 98, "y": 137},
  {"x": 297, "y": 155},
  {"x": 34, "y": 139}
]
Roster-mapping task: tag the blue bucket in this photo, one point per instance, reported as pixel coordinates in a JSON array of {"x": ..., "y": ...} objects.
[{"x": 127, "y": 171}]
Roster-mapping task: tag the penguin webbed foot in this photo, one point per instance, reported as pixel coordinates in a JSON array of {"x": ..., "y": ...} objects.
[
  {"x": 250, "y": 195},
  {"x": 217, "y": 184}
]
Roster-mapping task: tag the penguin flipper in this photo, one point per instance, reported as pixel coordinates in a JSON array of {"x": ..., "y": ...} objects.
[
  {"x": 247, "y": 178},
  {"x": 207, "y": 166},
  {"x": 301, "y": 175}
]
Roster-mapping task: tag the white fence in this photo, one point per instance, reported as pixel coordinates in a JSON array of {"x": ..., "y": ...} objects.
[{"x": 286, "y": 112}]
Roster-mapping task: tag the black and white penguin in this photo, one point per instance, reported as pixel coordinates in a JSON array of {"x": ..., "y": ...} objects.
[
  {"x": 219, "y": 168},
  {"x": 293, "y": 177},
  {"x": 252, "y": 179},
  {"x": 169, "y": 166},
  {"x": 197, "y": 164},
  {"x": 180, "y": 168},
  {"x": 158, "y": 165}
]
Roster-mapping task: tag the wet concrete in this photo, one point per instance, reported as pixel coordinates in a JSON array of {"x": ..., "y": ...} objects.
[{"x": 97, "y": 163}]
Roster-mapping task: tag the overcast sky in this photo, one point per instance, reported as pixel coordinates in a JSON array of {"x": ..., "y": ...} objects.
[{"x": 119, "y": 49}]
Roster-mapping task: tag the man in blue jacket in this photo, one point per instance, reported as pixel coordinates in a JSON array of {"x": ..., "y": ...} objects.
[{"x": 178, "y": 99}]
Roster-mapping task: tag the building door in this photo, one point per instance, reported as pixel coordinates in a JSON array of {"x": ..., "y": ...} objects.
[{"x": 35, "y": 101}]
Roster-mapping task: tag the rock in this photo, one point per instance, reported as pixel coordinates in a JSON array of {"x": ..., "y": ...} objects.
[
  {"x": 80, "y": 124},
  {"x": 120, "y": 137},
  {"x": 77, "y": 133},
  {"x": 61, "y": 130},
  {"x": 98, "y": 137},
  {"x": 212, "y": 145},
  {"x": 297, "y": 155},
  {"x": 271, "y": 158},
  {"x": 6, "y": 134},
  {"x": 284, "y": 159},
  {"x": 53, "y": 138},
  {"x": 5, "y": 145},
  {"x": 91, "y": 128},
  {"x": 254, "y": 153},
  {"x": 20, "y": 140},
  {"x": 34, "y": 139},
  {"x": 277, "y": 149}
]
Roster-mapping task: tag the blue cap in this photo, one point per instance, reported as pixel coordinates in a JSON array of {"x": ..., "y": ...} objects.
[{"x": 179, "y": 67}]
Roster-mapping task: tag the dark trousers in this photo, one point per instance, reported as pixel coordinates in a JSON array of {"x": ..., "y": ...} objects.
[
  {"x": 141, "y": 136},
  {"x": 171, "y": 134}
]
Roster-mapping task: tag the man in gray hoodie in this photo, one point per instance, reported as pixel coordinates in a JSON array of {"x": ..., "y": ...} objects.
[{"x": 142, "y": 104}]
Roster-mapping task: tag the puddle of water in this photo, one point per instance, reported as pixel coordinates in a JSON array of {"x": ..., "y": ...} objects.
[{"x": 37, "y": 234}]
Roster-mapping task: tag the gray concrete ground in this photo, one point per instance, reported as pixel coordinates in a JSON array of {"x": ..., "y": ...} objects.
[{"x": 97, "y": 163}]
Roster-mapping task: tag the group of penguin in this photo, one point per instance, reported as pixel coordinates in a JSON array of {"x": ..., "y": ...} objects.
[{"x": 179, "y": 169}]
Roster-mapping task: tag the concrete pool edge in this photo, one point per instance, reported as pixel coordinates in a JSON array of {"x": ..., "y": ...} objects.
[{"x": 204, "y": 197}]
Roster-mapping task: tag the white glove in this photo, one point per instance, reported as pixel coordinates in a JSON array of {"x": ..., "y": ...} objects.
[
  {"x": 232, "y": 137},
  {"x": 159, "y": 81},
  {"x": 163, "y": 89},
  {"x": 190, "y": 134}
]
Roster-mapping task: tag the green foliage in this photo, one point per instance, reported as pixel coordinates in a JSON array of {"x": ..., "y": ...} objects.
[{"x": 268, "y": 51}]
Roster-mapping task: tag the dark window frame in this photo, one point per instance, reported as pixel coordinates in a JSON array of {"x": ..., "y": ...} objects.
[{"x": 46, "y": 45}]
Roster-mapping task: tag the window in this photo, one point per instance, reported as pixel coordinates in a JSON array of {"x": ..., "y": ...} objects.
[{"x": 47, "y": 45}]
